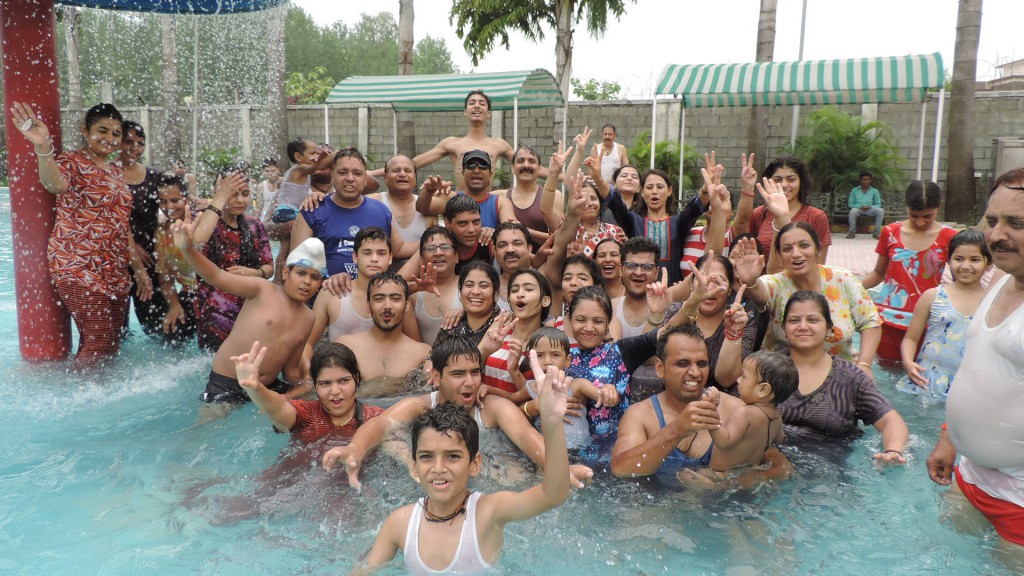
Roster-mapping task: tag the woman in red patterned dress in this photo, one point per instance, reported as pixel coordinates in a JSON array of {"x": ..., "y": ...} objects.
[{"x": 91, "y": 246}]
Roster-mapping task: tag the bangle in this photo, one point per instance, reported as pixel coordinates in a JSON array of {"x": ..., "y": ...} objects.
[
  {"x": 215, "y": 210},
  {"x": 752, "y": 286},
  {"x": 944, "y": 427},
  {"x": 751, "y": 195},
  {"x": 525, "y": 411},
  {"x": 655, "y": 324},
  {"x": 50, "y": 153},
  {"x": 892, "y": 451},
  {"x": 773, "y": 225},
  {"x": 864, "y": 364},
  {"x": 692, "y": 319},
  {"x": 733, "y": 336}
]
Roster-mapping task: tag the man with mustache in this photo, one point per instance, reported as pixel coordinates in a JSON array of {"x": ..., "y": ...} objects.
[
  {"x": 478, "y": 175},
  {"x": 525, "y": 196}
]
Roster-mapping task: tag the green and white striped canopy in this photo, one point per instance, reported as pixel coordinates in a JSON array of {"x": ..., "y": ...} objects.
[
  {"x": 847, "y": 81},
  {"x": 447, "y": 92}
]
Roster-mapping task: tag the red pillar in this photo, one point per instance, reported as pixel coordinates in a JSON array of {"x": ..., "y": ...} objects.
[{"x": 30, "y": 75}]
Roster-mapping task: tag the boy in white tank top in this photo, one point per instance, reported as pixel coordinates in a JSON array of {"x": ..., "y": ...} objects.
[{"x": 466, "y": 530}]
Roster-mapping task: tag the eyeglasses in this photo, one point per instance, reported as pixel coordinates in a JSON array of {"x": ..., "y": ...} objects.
[
  {"x": 476, "y": 165},
  {"x": 632, "y": 266},
  {"x": 431, "y": 248}
]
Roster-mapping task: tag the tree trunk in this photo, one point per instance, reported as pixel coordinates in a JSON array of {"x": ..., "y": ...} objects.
[
  {"x": 563, "y": 61},
  {"x": 960, "y": 184},
  {"x": 72, "y": 19},
  {"x": 758, "y": 127},
  {"x": 277, "y": 128},
  {"x": 406, "y": 126},
  {"x": 169, "y": 134}
]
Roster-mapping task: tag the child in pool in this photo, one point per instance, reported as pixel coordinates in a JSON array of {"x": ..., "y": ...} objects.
[
  {"x": 171, "y": 267},
  {"x": 552, "y": 348},
  {"x": 946, "y": 310},
  {"x": 767, "y": 378},
  {"x": 464, "y": 531}
]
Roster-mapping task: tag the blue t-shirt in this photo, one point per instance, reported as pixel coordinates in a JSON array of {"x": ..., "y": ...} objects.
[
  {"x": 488, "y": 211},
  {"x": 337, "y": 227}
]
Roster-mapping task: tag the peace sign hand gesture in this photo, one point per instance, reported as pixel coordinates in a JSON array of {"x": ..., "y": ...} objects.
[
  {"x": 558, "y": 159},
  {"x": 748, "y": 176},
  {"x": 736, "y": 316}
]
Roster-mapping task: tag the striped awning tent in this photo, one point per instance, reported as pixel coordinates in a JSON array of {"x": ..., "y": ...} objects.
[
  {"x": 447, "y": 92},
  {"x": 809, "y": 82}
]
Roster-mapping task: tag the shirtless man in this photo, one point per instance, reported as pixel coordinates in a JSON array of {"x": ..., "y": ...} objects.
[
  {"x": 457, "y": 368},
  {"x": 437, "y": 249},
  {"x": 400, "y": 180},
  {"x": 350, "y": 313},
  {"x": 383, "y": 350},
  {"x": 670, "y": 431},
  {"x": 478, "y": 173},
  {"x": 273, "y": 314},
  {"x": 477, "y": 112}
]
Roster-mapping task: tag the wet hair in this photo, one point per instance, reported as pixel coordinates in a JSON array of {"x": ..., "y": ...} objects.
[
  {"x": 170, "y": 179},
  {"x": 865, "y": 173},
  {"x": 131, "y": 126},
  {"x": 485, "y": 267},
  {"x": 529, "y": 149},
  {"x": 778, "y": 371},
  {"x": 612, "y": 126},
  {"x": 381, "y": 278},
  {"x": 449, "y": 346},
  {"x": 552, "y": 334},
  {"x": 797, "y": 225},
  {"x": 810, "y": 296},
  {"x": 487, "y": 98},
  {"x": 641, "y": 245},
  {"x": 297, "y": 146},
  {"x": 968, "y": 238},
  {"x": 457, "y": 205},
  {"x": 1012, "y": 179},
  {"x": 268, "y": 162},
  {"x": 349, "y": 152},
  {"x": 388, "y": 162},
  {"x": 690, "y": 330},
  {"x": 334, "y": 355},
  {"x": 511, "y": 225},
  {"x": 730, "y": 274},
  {"x": 101, "y": 112},
  {"x": 434, "y": 231},
  {"x": 449, "y": 420},
  {"x": 670, "y": 205},
  {"x": 371, "y": 233},
  {"x": 545, "y": 289},
  {"x": 923, "y": 195},
  {"x": 593, "y": 293},
  {"x": 588, "y": 263},
  {"x": 796, "y": 165}
]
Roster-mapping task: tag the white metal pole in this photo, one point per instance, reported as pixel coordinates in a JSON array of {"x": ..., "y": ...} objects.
[
  {"x": 327, "y": 129},
  {"x": 920, "y": 140},
  {"x": 515, "y": 122},
  {"x": 654, "y": 116},
  {"x": 938, "y": 136},
  {"x": 195, "y": 94},
  {"x": 682, "y": 143},
  {"x": 796, "y": 107},
  {"x": 394, "y": 130}
]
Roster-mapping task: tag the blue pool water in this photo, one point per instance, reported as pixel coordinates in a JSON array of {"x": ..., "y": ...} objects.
[{"x": 105, "y": 474}]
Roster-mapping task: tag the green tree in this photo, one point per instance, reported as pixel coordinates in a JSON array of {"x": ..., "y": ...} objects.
[
  {"x": 594, "y": 90},
  {"x": 431, "y": 56},
  {"x": 840, "y": 146},
  {"x": 479, "y": 23},
  {"x": 311, "y": 88}
]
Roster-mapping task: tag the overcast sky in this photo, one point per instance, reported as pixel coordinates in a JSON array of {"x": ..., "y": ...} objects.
[{"x": 654, "y": 33}]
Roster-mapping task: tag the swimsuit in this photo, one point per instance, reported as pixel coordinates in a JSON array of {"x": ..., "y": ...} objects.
[
  {"x": 467, "y": 559},
  {"x": 220, "y": 388},
  {"x": 677, "y": 459}
]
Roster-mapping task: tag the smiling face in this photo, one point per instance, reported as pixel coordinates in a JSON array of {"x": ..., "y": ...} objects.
[
  {"x": 656, "y": 193},
  {"x": 805, "y": 326},
  {"x": 301, "y": 283},
  {"x": 459, "y": 382},
  {"x": 591, "y": 209},
  {"x": 634, "y": 276},
  {"x": 967, "y": 264},
  {"x": 685, "y": 368},
  {"x": 526, "y": 297},
  {"x": 788, "y": 179},
  {"x": 477, "y": 177},
  {"x": 103, "y": 138},
  {"x": 576, "y": 276},
  {"x": 349, "y": 179},
  {"x": 442, "y": 465},
  {"x": 716, "y": 279},
  {"x": 1005, "y": 231},
  {"x": 608, "y": 257},
  {"x": 477, "y": 110},
  {"x": 798, "y": 252},
  {"x": 400, "y": 175},
  {"x": 172, "y": 202},
  {"x": 628, "y": 180},
  {"x": 439, "y": 251},
  {"x": 511, "y": 250},
  {"x": 477, "y": 293},
  {"x": 589, "y": 324},
  {"x": 387, "y": 305},
  {"x": 240, "y": 201},
  {"x": 336, "y": 389},
  {"x": 132, "y": 147},
  {"x": 525, "y": 165},
  {"x": 309, "y": 155}
]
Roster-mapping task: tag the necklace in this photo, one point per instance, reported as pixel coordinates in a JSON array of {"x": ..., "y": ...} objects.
[{"x": 431, "y": 517}]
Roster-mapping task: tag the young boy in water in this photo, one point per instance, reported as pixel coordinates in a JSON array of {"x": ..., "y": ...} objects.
[
  {"x": 464, "y": 531},
  {"x": 274, "y": 314},
  {"x": 171, "y": 267},
  {"x": 766, "y": 379}
]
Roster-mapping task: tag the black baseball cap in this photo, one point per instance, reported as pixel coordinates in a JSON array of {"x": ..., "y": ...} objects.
[{"x": 476, "y": 155}]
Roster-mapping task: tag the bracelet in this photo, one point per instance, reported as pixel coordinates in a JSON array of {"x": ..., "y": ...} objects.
[
  {"x": 751, "y": 195},
  {"x": 892, "y": 451},
  {"x": 752, "y": 286},
  {"x": 215, "y": 210},
  {"x": 655, "y": 324},
  {"x": 864, "y": 364},
  {"x": 773, "y": 225},
  {"x": 525, "y": 411},
  {"x": 944, "y": 427},
  {"x": 692, "y": 319},
  {"x": 50, "y": 153},
  {"x": 733, "y": 336}
]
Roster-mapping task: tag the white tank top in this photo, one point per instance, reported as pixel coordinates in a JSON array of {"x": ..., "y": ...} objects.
[
  {"x": 985, "y": 406},
  {"x": 429, "y": 325},
  {"x": 627, "y": 329},
  {"x": 467, "y": 560},
  {"x": 610, "y": 163},
  {"x": 348, "y": 321},
  {"x": 416, "y": 228}
]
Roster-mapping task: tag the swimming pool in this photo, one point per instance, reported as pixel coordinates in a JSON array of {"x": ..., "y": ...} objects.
[{"x": 106, "y": 475}]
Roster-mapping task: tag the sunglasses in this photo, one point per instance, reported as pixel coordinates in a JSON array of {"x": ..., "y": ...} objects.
[{"x": 476, "y": 165}]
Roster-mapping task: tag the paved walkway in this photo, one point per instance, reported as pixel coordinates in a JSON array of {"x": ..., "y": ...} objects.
[{"x": 856, "y": 255}]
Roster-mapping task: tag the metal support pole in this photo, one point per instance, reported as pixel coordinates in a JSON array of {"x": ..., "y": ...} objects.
[
  {"x": 938, "y": 136},
  {"x": 920, "y": 140}
]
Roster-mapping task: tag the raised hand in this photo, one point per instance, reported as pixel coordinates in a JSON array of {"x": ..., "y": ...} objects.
[
  {"x": 26, "y": 121},
  {"x": 576, "y": 197},
  {"x": 775, "y": 201},
  {"x": 494, "y": 338},
  {"x": 227, "y": 186},
  {"x": 427, "y": 280},
  {"x": 736, "y": 317},
  {"x": 748, "y": 176},
  {"x": 748, "y": 263},
  {"x": 718, "y": 193},
  {"x": 582, "y": 138},
  {"x": 183, "y": 230},
  {"x": 552, "y": 389},
  {"x": 700, "y": 291},
  {"x": 247, "y": 366},
  {"x": 436, "y": 186},
  {"x": 515, "y": 352},
  {"x": 657, "y": 297},
  {"x": 558, "y": 159}
]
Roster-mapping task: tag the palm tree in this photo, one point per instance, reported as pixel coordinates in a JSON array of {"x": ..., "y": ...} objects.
[
  {"x": 765, "y": 53},
  {"x": 406, "y": 126},
  {"x": 480, "y": 22},
  {"x": 961, "y": 189}
]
